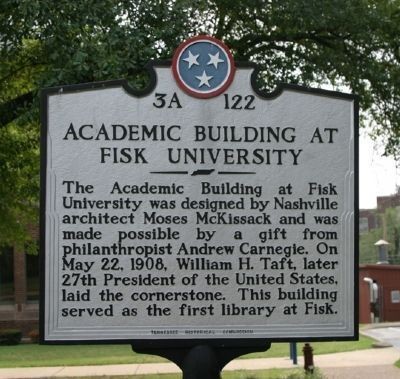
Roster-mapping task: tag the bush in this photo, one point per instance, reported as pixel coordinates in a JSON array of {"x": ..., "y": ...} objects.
[
  {"x": 10, "y": 336},
  {"x": 34, "y": 335},
  {"x": 301, "y": 374}
]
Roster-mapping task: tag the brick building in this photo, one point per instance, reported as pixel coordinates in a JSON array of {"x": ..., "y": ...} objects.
[
  {"x": 368, "y": 220},
  {"x": 386, "y": 279},
  {"x": 391, "y": 201},
  {"x": 19, "y": 289}
]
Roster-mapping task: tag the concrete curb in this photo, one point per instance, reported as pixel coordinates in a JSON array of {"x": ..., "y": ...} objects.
[{"x": 394, "y": 324}]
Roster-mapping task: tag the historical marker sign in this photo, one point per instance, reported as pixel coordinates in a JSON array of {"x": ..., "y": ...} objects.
[{"x": 200, "y": 208}]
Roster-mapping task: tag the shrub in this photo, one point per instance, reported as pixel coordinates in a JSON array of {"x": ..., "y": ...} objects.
[
  {"x": 34, "y": 335},
  {"x": 301, "y": 374},
  {"x": 10, "y": 336}
]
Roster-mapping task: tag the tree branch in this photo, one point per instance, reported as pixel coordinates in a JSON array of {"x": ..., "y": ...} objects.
[{"x": 10, "y": 110}]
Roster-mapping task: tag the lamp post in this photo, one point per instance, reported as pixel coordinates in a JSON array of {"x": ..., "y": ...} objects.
[{"x": 382, "y": 252}]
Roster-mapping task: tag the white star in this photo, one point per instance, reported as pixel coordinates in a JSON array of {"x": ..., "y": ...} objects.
[
  {"x": 192, "y": 59},
  {"x": 204, "y": 79},
  {"x": 214, "y": 59}
]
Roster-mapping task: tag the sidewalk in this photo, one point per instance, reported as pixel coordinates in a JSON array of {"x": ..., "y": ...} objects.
[{"x": 372, "y": 363}]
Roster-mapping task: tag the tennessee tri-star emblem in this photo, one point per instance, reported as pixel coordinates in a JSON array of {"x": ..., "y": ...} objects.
[{"x": 203, "y": 67}]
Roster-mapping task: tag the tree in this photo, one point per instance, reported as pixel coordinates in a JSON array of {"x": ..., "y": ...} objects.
[
  {"x": 343, "y": 43},
  {"x": 391, "y": 220},
  {"x": 388, "y": 231},
  {"x": 368, "y": 250}
]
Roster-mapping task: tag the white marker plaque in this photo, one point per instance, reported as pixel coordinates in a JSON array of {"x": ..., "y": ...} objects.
[{"x": 201, "y": 208}]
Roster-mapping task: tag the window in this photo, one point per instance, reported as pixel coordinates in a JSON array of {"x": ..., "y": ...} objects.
[
  {"x": 363, "y": 225},
  {"x": 32, "y": 278},
  {"x": 395, "y": 296},
  {"x": 6, "y": 275}
]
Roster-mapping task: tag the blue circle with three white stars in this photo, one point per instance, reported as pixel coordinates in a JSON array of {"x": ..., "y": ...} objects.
[{"x": 203, "y": 67}]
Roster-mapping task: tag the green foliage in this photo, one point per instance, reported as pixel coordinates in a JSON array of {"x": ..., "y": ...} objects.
[
  {"x": 19, "y": 165},
  {"x": 392, "y": 226},
  {"x": 301, "y": 374},
  {"x": 389, "y": 231},
  {"x": 368, "y": 251},
  {"x": 312, "y": 42},
  {"x": 10, "y": 336}
]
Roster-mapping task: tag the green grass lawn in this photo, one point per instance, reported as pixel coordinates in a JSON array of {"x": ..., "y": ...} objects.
[
  {"x": 33, "y": 355},
  {"x": 259, "y": 374},
  {"x": 282, "y": 349}
]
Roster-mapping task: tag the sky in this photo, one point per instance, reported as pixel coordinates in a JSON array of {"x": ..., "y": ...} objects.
[{"x": 378, "y": 175}]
